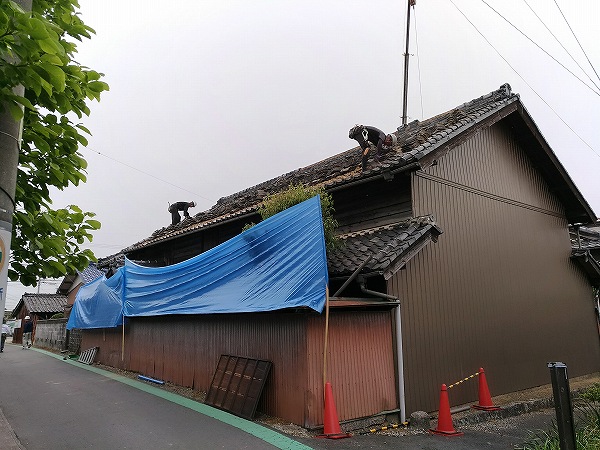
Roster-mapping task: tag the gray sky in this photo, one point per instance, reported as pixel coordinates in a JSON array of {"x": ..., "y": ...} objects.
[{"x": 214, "y": 96}]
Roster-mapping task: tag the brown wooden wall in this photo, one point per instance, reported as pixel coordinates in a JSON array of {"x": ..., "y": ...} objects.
[
  {"x": 377, "y": 203},
  {"x": 498, "y": 290},
  {"x": 185, "y": 350}
]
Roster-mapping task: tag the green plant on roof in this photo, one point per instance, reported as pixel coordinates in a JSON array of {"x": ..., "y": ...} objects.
[{"x": 295, "y": 194}]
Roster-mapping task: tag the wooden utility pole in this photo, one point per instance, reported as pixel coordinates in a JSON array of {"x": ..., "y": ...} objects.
[
  {"x": 10, "y": 143},
  {"x": 405, "y": 98}
]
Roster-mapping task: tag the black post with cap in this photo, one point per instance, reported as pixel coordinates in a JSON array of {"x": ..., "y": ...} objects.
[{"x": 562, "y": 405}]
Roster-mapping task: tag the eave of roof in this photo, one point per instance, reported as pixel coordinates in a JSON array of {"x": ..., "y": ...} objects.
[
  {"x": 361, "y": 303},
  {"x": 383, "y": 250},
  {"x": 419, "y": 145}
]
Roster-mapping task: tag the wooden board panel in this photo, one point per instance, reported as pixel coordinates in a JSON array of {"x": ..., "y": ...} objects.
[{"x": 237, "y": 385}]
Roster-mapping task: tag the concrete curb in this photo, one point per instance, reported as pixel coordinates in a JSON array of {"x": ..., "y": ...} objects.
[
  {"x": 8, "y": 438},
  {"x": 512, "y": 410}
]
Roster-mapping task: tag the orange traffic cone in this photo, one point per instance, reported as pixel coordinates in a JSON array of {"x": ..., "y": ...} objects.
[
  {"x": 331, "y": 424},
  {"x": 485, "y": 399},
  {"x": 445, "y": 426}
]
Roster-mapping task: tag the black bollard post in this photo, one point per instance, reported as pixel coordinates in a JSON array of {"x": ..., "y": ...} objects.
[{"x": 562, "y": 405}]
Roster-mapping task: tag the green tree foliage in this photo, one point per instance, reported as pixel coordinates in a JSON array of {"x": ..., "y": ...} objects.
[
  {"x": 297, "y": 193},
  {"x": 37, "y": 51}
]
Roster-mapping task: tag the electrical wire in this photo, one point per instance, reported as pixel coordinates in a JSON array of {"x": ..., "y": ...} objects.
[
  {"x": 534, "y": 43},
  {"x": 418, "y": 64},
  {"x": 586, "y": 56},
  {"x": 560, "y": 43},
  {"x": 525, "y": 81},
  {"x": 148, "y": 174}
]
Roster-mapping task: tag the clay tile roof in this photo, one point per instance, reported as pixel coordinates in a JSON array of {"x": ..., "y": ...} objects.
[
  {"x": 90, "y": 273},
  {"x": 415, "y": 141},
  {"x": 44, "y": 303},
  {"x": 384, "y": 249}
]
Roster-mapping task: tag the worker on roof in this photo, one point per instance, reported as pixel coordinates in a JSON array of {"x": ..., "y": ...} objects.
[
  {"x": 180, "y": 206},
  {"x": 372, "y": 141}
]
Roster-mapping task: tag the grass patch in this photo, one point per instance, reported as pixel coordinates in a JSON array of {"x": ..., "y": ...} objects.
[
  {"x": 592, "y": 393},
  {"x": 587, "y": 429}
]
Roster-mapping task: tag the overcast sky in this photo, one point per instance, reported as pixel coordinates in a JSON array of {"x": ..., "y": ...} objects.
[{"x": 209, "y": 97}]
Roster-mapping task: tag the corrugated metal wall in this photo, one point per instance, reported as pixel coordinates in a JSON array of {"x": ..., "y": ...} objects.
[
  {"x": 185, "y": 351},
  {"x": 360, "y": 364},
  {"x": 498, "y": 290}
]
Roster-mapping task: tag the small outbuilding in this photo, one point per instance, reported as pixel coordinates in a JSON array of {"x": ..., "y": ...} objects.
[{"x": 38, "y": 307}]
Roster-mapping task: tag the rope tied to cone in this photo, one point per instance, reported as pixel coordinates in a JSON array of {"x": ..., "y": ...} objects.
[{"x": 463, "y": 380}]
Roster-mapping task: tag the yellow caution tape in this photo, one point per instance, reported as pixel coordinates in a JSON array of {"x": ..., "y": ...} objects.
[{"x": 463, "y": 380}]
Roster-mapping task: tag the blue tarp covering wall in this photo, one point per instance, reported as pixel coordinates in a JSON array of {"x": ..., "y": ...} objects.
[{"x": 279, "y": 263}]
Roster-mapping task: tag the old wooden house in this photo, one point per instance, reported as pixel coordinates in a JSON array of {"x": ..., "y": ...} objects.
[
  {"x": 457, "y": 256},
  {"x": 38, "y": 307}
]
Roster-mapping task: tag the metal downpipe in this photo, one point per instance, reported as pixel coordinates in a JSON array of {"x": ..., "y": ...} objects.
[{"x": 399, "y": 351}]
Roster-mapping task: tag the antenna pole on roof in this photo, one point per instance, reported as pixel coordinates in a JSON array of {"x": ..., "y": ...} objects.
[{"x": 405, "y": 98}]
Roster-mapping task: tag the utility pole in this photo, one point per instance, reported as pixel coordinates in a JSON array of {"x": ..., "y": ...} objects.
[
  {"x": 10, "y": 143},
  {"x": 405, "y": 99}
]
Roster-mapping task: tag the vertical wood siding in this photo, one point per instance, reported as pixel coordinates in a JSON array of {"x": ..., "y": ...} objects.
[
  {"x": 185, "y": 351},
  {"x": 498, "y": 290}
]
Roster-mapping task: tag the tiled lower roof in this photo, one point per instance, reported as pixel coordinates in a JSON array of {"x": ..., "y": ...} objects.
[
  {"x": 44, "y": 303},
  {"x": 384, "y": 249},
  {"x": 415, "y": 141}
]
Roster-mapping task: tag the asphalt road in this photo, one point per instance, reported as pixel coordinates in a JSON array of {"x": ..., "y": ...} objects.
[{"x": 55, "y": 404}]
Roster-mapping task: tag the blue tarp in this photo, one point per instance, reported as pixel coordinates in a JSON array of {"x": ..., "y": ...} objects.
[
  {"x": 279, "y": 263},
  {"x": 98, "y": 304}
]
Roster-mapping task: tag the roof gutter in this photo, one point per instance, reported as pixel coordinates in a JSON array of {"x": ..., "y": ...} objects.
[{"x": 383, "y": 174}]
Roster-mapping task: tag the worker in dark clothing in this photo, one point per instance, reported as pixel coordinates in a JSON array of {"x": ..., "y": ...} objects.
[
  {"x": 179, "y": 206},
  {"x": 372, "y": 141}
]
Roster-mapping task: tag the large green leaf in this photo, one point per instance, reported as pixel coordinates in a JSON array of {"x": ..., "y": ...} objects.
[
  {"x": 38, "y": 50},
  {"x": 57, "y": 76}
]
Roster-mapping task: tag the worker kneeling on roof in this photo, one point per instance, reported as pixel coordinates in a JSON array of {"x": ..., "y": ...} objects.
[
  {"x": 180, "y": 206},
  {"x": 372, "y": 141}
]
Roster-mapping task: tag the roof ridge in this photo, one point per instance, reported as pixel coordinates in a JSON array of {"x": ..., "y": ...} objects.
[{"x": 415, "y": 141}]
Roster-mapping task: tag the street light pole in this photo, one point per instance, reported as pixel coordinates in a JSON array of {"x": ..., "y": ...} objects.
[{"x": 10, "y": 143}]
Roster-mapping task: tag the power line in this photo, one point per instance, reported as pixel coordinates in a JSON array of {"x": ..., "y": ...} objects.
[
  {"x": 560, "y": 43},
  {"x": 149, "y": 174},
  {"x": 586, "y": 56},
  {"x": 534, "y": 43},
  {"x": 525, "y": 81}
]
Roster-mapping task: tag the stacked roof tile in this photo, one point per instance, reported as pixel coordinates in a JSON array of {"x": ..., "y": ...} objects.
[{"x": 383, "y": 248}]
